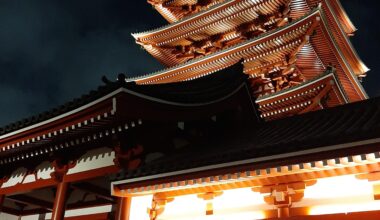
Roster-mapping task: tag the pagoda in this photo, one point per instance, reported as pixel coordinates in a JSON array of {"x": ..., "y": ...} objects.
[
  {"x": 285, "y": 47},
  {"x": 259, "y": 114}
]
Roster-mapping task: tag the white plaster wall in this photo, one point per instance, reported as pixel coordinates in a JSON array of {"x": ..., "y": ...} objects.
[
  {"x": 4, "y": 216},
  {"x": 89, "y": 211},
  {"x": 18, "y": 176},
  {"x": 95, "y": 159},
  {"x": 70, "y": 213}
]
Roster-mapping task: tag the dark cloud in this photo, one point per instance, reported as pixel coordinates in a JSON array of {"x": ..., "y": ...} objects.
[{"x": 52, "y": 51}]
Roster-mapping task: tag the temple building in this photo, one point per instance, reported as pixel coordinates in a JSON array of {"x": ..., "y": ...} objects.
[{"x": 259, "y": 113}]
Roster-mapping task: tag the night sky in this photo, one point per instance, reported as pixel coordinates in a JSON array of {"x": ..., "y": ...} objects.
[{"x": 52, "y": 51}]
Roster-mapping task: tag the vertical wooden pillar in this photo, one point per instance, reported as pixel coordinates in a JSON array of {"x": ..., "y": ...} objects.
[
  {"x": 123, "y": 208},
  {"x": 283, "y": 212},
  {"x": 2, "y": 198},
  {"x": 60, "y": 201}
]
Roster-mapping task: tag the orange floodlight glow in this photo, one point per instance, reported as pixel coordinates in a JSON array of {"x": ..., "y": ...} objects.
[
  {"x": 343, "y": 194},
  {"x": 340, "y": 195},
  {"x": 139, "y": 207},
  {"x": 241, "y": 204}
]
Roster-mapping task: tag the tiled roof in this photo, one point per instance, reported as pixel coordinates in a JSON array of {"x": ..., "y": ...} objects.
[
  {"x": 201, "y": 90},
  {"x": 336, "y": 126},
  {"x": 75, "y": 103},
  {"x": 205, "y": 90}
]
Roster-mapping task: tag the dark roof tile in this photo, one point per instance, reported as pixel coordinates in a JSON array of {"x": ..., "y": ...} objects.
[
  {"x": 205, "y": 89},
  {"x": 340, "y": 125}
]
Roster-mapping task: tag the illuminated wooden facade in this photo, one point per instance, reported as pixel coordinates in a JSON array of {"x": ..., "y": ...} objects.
[
  {"x": 281, "y": 43},
  {"x": 259, "y": 114}
]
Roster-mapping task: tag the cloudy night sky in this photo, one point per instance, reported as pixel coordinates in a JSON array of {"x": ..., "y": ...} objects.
[{"x": 52, "y": 51}]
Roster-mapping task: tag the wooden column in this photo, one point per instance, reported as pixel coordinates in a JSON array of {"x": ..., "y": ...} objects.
[
  {"x": 123, "y": 208},
  {"x": 60, "y": 170},
  {"x": 283, "y": 212},
  {"x": 60, "y": 201},
  {"x": 2, "y": 198}
]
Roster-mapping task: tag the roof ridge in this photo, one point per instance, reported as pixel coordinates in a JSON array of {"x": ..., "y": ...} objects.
[{"x": 72, "y": 104}]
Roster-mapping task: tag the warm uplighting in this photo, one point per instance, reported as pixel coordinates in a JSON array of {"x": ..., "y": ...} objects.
[
  {"x": 338, "y": 188},
  {"x": 139, "y": 207},
  {"x": 233, "y": 204},
  {"x": 344, "y": 194},
  {"x": 345, "y": 208},
  {"x": 241, "y": 204},
  {"x": 340, "y": 195}
]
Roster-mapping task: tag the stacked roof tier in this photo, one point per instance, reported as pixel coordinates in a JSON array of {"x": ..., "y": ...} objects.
[
  {"x": 174, "y": 10},
  {"x": 283, "y": 44},
  {"x": 206, "y": 32}
]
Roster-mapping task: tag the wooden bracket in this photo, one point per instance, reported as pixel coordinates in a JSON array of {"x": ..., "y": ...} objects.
[
  {"x": 209, "y": 196},
  {"x": 158, "y": 206},
  {"x": 375, "y": 178},
  {"x": 371, "y": 177},
  {"x": 130, "y": 159},
  {"x": 284, "y": 195},
  {"x": 61, "y": 169}
]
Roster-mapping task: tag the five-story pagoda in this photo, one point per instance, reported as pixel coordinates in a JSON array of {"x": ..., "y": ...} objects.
[{"x": 297, "y": 53}]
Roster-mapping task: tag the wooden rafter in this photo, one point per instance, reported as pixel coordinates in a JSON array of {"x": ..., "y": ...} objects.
[
  {"x": 317, "y": 99},
  {"x": 281, "y": 72},
  {"x": 250, "y": 47},
  {"x": 177, "y": 10},
  {"x": 213, "y": 43}
]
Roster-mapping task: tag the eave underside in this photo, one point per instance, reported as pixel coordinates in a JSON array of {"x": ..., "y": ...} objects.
[
  {"x": 164, "y": 43},
  {"x": 320, "y": 93},
  {"x": 176, "y": 10},
  {"x": 226, "y": 25},
  {"x": 308, "y": 53}
]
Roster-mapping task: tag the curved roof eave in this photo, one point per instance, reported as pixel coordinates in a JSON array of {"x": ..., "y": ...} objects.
[
  {"x": 237, "y": 46},
  {"x": 350, "y": 27},
  {"x": 359, "y": 88},
  {"x": 361, "y": 66},
  {"x": 185, "y": 20}
]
